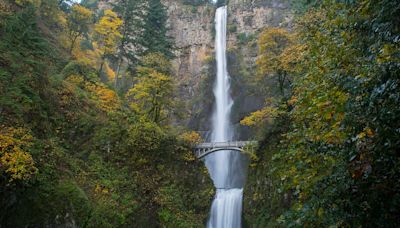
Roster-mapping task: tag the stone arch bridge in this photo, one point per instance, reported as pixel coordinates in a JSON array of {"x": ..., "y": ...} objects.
[{"x": 203, "y": 149}]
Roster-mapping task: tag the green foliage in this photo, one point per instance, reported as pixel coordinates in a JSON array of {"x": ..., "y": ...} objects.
[
  {"x": 301, "y": 6},
  {"x": 232, "y": 28},
  {"x": 194, "y": 2},
  {"x": 334, "y": 163},
  {"x": 132, "y": 13},
  {"x": 155, "y": 37},
  {"x": 174, "y": 212},
  {"x": 78, "y": 23},
  {"x": 245, "y": 39},
  {"x": 72, "y": 152},
  {"x": 23, "y": 72},
  {"x": 152, "y": 94}
]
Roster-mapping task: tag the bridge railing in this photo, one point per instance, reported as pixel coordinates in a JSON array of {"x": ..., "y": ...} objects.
[
  {"x": 204, "y": 149},
  {"x": 225, "y": 144}
]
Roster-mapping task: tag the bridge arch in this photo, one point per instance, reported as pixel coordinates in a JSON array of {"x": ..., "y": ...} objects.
[
  {"x": 205, "y": 154},
  {"x": 204, "y": 149}
]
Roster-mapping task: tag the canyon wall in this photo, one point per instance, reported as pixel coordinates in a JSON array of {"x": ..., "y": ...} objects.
[{"x": 192, "y": 28}]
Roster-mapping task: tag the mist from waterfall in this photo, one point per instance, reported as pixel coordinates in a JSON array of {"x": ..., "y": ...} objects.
[{"x": 226, "y": 168}]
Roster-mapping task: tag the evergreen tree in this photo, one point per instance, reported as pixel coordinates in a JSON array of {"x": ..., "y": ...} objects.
[
  {"x": 155, "y": 37},
  {"x": 132, "y": 14},
  {"x": 23, "y": 53}
]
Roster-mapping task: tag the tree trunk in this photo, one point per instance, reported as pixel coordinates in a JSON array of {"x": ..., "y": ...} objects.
[
  {"x": 101, "y": 66},
  {"x": 117, "y": 74},
  {"x": 71, "y": 48}
]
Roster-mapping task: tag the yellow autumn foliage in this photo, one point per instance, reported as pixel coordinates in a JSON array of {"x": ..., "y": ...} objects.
[
  {"x": 88, "y": 57},
  {"x": 191, "y": 137},
  {"x": 260, "y": 116},
  {"x": 109, "y": 72},
  {"x": 15, "y": 162},
  {"x": 26, "y": 2},
  {"x": 107, "y": 30},
  {"x": 106, "y": 99},
  {"x": 78, "y": 24},
  {"x": 152, "y": 94},
  {"x": 81, "y": 13},
  {"x": 273, "y": 53}
]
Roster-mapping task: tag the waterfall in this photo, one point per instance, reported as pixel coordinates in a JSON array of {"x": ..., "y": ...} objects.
[{"x": 225, "y": 167}]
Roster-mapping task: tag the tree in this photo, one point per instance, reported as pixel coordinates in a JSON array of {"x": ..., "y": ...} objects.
[
  {"x": 273, "y": 45},
  {"x": 340, "y": 129},
  {"x": 152, "y": 94},
  {"x": 132, "y": 13},
  {"x": 108, "y": 34},
  {"x": 78, "y": 23},
  {"x": 158, "y": 62},
  {"x": 155, "y": 37}
]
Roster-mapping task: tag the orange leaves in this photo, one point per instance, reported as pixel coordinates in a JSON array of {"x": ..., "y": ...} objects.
[
  {"x": 88, "y": 57},
  {"x": 191, "y": 138},
  {"x": 292, "y": 101},
  {"x": 279, "y": 52},
  {"x": 108, "y": 34},
  {"x": 361, "y": 163},
  {"x": 105, "y": 98},
  {"x": 150, "y": 90},
  {"x": 291, "y": 58},
  {"x": 109, "y": 72},
  {"x": 101, "y": 190}
]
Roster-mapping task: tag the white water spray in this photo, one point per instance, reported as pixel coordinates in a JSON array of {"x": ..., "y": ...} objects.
[{"x": 224, "y": 166}]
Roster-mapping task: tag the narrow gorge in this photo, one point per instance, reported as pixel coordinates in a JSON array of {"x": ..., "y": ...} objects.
[{"x": 199, "y": 113}]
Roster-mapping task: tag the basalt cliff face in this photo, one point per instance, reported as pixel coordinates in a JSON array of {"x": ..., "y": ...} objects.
[
  {"x": 192, "y": 28},
  {"x": 251, "y": 16}
]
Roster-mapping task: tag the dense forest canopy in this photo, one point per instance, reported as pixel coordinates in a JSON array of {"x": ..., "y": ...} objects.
[{"x": 88, "y": 109}]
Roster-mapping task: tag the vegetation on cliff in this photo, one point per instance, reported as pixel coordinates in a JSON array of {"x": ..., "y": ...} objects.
[
  {"x": 330, "y": 134},
  {"x": 88, "y": 102},
  {"x": 77, "y": 148}
]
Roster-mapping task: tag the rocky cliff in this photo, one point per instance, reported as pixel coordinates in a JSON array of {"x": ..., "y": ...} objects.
[{"x": 192, "y": 27}]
